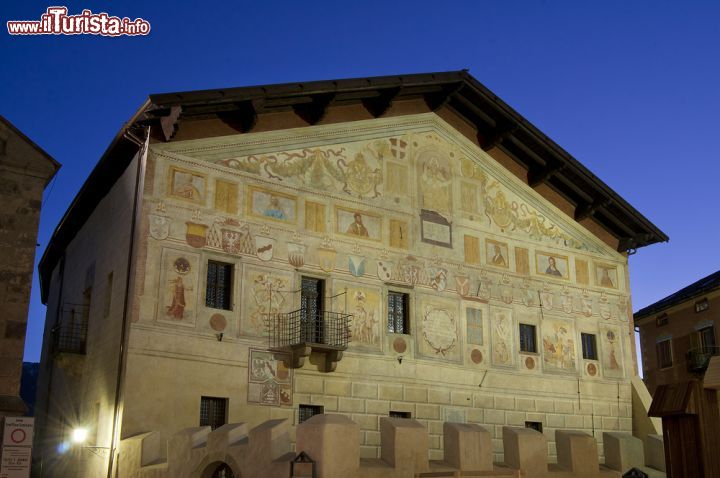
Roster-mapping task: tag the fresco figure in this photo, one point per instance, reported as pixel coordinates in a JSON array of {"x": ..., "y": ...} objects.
[
  {"x": 365, "y": 323},
  {"x": 176, "y": 309},
  {"x": 274, "y": 209},
  {"x": 552, "y": 268},
  {"x": 605, "y": 279},
  {"x": 498, "y": 259},
  {"x": 357, "y": 228},
  {"x": 435, "y": 181}
]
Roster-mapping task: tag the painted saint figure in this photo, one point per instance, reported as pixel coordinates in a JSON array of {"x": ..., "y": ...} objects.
[
  {"x": 176, "y": 309},
  {"x": 357, "y": 228},
  {"x": 605, "y": 279},
  {"x": 498, "y": 259},
  {"x": 552, "y": 268},
  {"x": 274, "y": 209}
]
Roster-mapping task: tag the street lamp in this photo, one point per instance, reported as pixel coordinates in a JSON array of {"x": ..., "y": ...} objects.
[{"x": 79, "y": 435}]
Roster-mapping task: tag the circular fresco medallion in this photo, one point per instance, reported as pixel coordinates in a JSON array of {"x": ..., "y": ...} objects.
[
  {"x": 181, "y": 265},
  {"x": 218, "y": 322},
  {"x": 591, "y": 369},
  {"x": 399, "y": 345},
  {"x": 476, "y": 356},
  {"x": 530, "y": 363}
]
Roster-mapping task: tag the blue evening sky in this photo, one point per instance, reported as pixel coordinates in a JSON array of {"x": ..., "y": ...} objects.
[{"x": 631, "y": 89}]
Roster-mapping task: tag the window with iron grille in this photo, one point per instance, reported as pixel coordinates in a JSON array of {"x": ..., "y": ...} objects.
[
  {"x": 218, "y": 292},
  {"x": 537, "y": 426},
  {"x": 398, "y": 322},
  {"x": 213, "y": 412},
  {"x": 306, "y": 412},
  {"x": 394, "y": 414},
  {"x": 664, "y": 353},
  {"x": 527, "y": 338},
  {"x": 589, "y": 346}
]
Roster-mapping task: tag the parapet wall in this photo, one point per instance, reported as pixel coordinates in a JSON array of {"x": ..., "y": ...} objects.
[{"x": 332, "y": 443}]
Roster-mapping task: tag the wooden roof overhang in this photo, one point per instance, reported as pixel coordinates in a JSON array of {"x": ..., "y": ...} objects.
[{"x": 497, "y": 125}]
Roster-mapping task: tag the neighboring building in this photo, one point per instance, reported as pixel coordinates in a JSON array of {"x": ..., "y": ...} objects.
[
  {"x": 25, "y": 170},
  {"x": 407, "y": 246},
  {"x": 678, "y": 333},
  {"x": 28, "y": 385}
]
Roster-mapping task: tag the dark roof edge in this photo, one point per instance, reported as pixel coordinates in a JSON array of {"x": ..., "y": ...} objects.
[
  {"x": 55, "y": 163},
  {"x": 106, "y": 172},
  {"x": 701, "y": 287},
  {"x": 567, "y": 157}
]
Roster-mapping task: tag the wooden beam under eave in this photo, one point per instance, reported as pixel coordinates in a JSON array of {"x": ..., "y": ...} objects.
[
  {"x": 589, "y": 209},
  {"x": 244, "y": 117},
  {"x": 537, "y": 176},
  {"x": 435, "y": 101},
  {"x": 378, "y": 105},
  {"x": 314, "y": 111}
]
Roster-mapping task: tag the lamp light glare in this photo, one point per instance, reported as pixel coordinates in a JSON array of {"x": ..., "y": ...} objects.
[{"x": 79, "y": 435}]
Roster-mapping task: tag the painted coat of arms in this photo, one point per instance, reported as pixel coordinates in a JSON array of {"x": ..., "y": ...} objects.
[{"x": 159, "y": 227}]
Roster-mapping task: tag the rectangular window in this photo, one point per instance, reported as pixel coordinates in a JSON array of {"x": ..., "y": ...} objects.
[
  {"x": 702, "y": 305},
  {"x": 472, "y": 250},
  {"x": 662, "y": 320},
  {"x": 311, "y": 310},
  {"x": 664, "y": 353},
  {"x": 308, "y": 411},
  {"x": 398, "y": 322},
  {"x": 706, "y": 338},
  {"x": 218, "y": 292},
  {"x": 394, "y": 414},
  {"x": 213, "y": 412},
  {"x": 527, "y": 338},
  {"x": 537, "y": 426},
  {"x": 589, "y": 346}
]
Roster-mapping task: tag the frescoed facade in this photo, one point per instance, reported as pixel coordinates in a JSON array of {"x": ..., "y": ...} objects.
[{"x": 448, "y": 260}]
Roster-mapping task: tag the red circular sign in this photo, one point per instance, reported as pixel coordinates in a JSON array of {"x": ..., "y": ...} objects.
[{"x": 18, "y": 435}]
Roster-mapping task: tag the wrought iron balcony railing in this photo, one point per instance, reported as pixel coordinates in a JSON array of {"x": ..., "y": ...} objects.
[
  {"x": 300, "y": 332},
  {"x": 70, "y": 332},
  {"x": 698, "y": 358},
  {"x": 71, "y": 338}
]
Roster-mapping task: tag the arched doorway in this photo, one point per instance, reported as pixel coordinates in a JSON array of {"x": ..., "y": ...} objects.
[{"x": 218, "y": 469}]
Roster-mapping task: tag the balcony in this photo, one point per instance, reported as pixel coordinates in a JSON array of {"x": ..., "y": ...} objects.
[
  {"x": 295, "y": 335},
  {"x": 70, "y": 332},
  {"x": 698, "y": 358}
]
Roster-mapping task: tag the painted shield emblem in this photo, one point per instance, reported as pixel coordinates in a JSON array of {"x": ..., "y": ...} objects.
[
  {"x": 264, "y": 247},
  {"x": 385, "y": 270},
  {"x": 296, "y": 254},
  {"x": 604, "y": 308},
  {"x": 587, "y": 305},
  {"x": 438, "y": 279},
  {"x": 546, "y": 299},
  {"x": 411, "y": 274},
  {"x": 463, "y": 285},
  {"x": 484, "y": 290},
  {"x": 231, "y": 241},
  {"x": 356, "y": 264},
  {"x": 567, "y": 303},
  {"x": 195, "y": 234},
  {"x": 528, "y": 297},
  {"x": 506, "y": 294},
  {"x": 159, "y": 227},
  {"x": 326, "y": 259}
]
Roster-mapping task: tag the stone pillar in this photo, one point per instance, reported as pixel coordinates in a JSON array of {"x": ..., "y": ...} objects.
[
  {"x": 577, "y": 452},
  {"x": 468, "y": 447},
  {"x": 525, "y": 449},
  {"x": 404, "y": 444},
  {"x": 623, "y": 451},
  {"x": 333, "y": 442}
]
